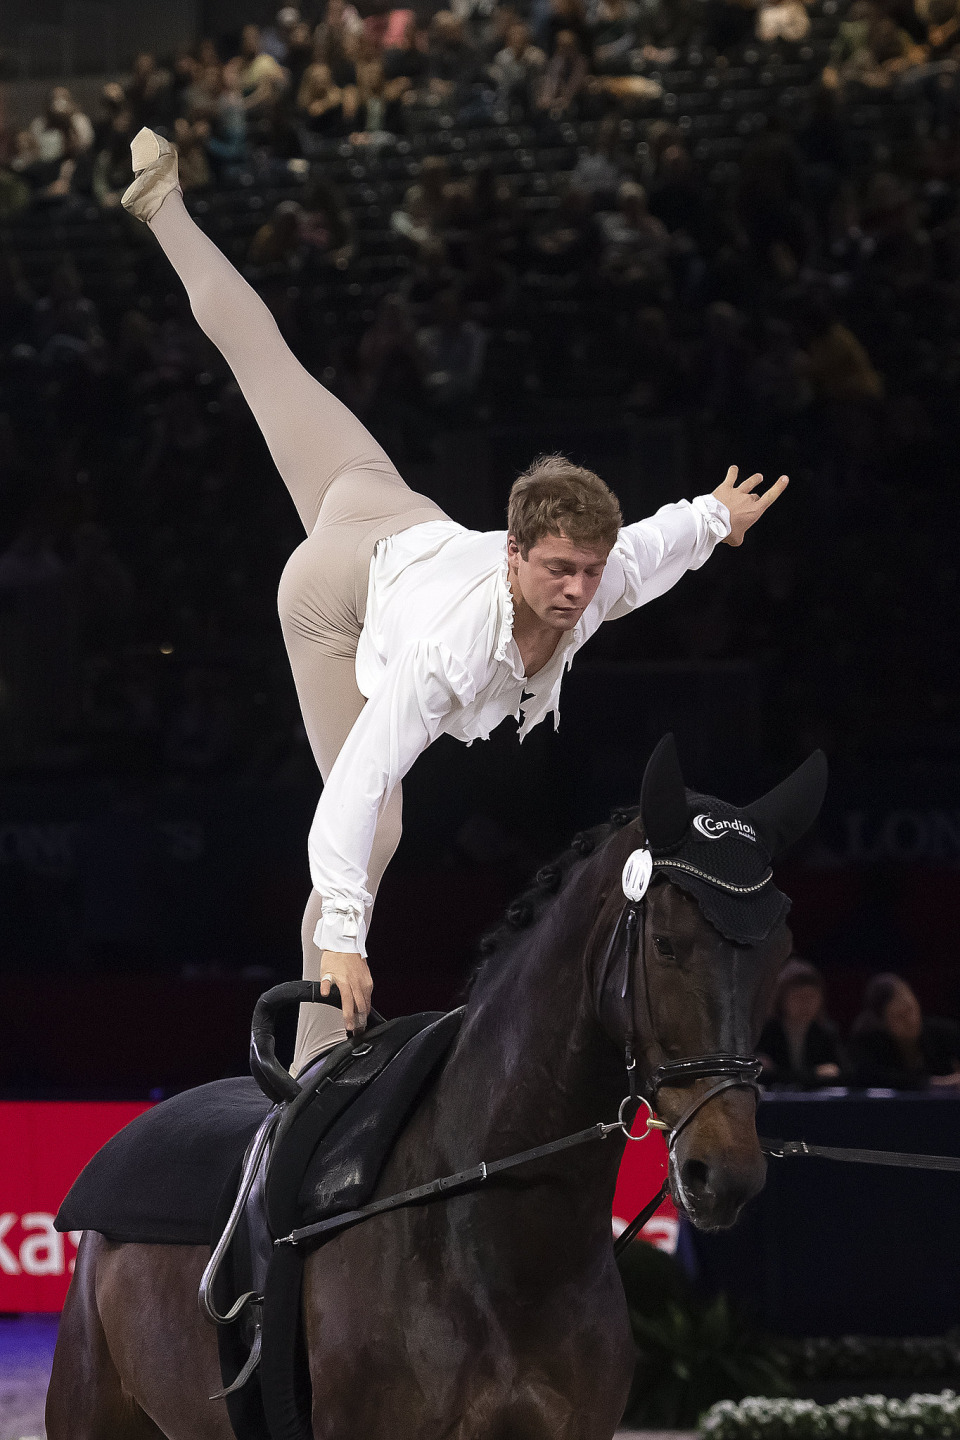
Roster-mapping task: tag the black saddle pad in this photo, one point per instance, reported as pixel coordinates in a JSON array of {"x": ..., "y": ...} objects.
[
  {"x": 158, "y": 1179},
  {"x": 161, "y": 1178}
]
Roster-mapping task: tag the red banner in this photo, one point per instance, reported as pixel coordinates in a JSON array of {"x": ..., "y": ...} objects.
[
  {"x": 44, "y": 1145},
  {"x": 641, "y": 1175}
]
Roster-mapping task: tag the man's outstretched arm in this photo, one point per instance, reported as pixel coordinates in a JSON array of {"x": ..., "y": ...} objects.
[{"x": 655, "y": 553}]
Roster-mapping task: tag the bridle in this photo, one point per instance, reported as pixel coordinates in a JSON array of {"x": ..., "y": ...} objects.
[{"x": 731, "y": 1071}]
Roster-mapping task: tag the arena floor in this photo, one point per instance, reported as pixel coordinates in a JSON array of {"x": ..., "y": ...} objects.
[{"x": 26, "y": 1349}]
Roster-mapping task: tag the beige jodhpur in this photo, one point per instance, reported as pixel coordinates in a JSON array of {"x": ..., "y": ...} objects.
[{"x": 348, "y": 495}]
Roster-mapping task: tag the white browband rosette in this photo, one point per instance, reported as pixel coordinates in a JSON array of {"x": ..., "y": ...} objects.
[{"x": 636, "y": 874}]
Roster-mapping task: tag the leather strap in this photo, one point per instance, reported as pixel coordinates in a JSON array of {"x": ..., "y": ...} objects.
[{"x": 800, "y": 1150}]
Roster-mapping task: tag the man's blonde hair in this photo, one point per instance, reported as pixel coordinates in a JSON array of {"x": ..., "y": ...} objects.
[{"x": 556, "y": 497}]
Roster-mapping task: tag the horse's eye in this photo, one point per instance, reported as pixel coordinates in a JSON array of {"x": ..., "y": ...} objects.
[{"x": 664, "y": 945}]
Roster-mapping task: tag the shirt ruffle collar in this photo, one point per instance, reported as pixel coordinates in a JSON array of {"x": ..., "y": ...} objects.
[{"x": 505, "y": 605}]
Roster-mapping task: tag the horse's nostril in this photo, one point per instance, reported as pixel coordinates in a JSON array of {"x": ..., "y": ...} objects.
[{"x": 695, "y": 1176}]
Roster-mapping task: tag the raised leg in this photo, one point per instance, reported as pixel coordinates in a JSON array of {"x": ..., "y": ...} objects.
[{"x": 310, "y": 434}]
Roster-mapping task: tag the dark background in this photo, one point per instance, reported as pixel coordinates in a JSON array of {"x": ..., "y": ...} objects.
[{"x": 156, "y": 785}]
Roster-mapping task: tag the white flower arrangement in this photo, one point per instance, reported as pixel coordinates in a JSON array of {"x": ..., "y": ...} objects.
[{"x": 864, "y": 1417}]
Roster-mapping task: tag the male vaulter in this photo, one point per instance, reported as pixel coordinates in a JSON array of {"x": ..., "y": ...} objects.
[{"x": 401, "y": 625}]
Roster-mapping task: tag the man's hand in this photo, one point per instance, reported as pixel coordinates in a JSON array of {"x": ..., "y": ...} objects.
[
  {"x": 744, "y": 504},
  {"x": 352, "y": 978}
]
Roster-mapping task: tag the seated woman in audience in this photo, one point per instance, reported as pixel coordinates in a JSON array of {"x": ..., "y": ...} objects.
[
  {"x": 798, "y": 1045},
  {"x": 565, "y": 77},
  {"x": 895, "y": 1046},
  {"x": 321, "y": 102}
]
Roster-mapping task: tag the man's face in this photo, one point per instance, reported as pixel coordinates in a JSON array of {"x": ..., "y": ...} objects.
[{"x": 558, "y": 579}]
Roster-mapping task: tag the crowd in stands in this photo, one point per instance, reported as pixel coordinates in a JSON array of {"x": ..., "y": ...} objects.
[
  {"x": 733, "y": 223},
  {"x": 891, "y": 1045}
]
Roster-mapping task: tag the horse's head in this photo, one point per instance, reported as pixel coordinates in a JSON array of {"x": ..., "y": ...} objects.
[{"x": 688, "y": 945}]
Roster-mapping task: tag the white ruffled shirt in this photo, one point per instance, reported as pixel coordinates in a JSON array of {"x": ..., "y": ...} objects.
[{"x": 437, "y": 657}]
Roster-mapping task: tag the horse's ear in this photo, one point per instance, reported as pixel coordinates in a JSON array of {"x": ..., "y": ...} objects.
[
  {"x": 788, "y": 810},
  {"x": 663, "y": 797}
]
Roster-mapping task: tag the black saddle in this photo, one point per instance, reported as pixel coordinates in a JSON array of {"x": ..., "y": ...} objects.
[{"x": 172, "y": 1175}]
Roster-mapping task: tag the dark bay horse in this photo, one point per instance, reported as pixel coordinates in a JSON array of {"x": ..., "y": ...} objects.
[{"x": 495, "y": 1315}]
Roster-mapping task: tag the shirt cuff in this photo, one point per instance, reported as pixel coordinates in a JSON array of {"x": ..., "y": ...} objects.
[
  {"x": 716, "y": 515},
  {"x": 342, "y": 929}
]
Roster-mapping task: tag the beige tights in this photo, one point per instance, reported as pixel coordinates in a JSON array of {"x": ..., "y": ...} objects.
[{"x": 348, "y": 495}]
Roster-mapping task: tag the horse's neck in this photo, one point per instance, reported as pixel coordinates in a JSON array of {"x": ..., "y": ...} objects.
[{"x": 531, "y": 1062}]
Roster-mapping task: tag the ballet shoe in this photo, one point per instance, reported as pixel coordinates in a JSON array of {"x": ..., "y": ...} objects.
[{"x": 155, "y": 167}]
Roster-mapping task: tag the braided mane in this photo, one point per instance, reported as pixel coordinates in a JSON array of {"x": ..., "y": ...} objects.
[{"x": 531, "y": 904}]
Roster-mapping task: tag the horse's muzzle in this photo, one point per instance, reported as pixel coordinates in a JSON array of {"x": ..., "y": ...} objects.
[{"x": 717, "y": 1166}]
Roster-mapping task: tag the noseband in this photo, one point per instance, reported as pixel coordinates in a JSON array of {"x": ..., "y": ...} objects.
[{"x": 731, "y": 1071}]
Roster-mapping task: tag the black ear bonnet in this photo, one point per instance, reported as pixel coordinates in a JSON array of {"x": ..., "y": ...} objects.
[
  {"x": 727, "y": 869},
  {"x": 722, "y": 855}
]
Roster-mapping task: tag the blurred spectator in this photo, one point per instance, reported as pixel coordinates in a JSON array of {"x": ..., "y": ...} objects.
[
  {"x": 635, "y": 243},
  {"x": 871, "y": 48},
  {"x": 63, "y": 130},
  {"x": 326, "y": 226},
  {"x": 300, "y": 55},
  {"x": 426, "y": 205},
  {"x": 599, "y": 168},
  {"x": 191, "y": 140},
  {"x": 405, "y": 58},
  {"x": 262, "y": 78},
  {"x": 614, "y": 36},
  {"x": 376, "y": 115},
  {"x": 49, "y": 150},
  {"x": 893, "y": 1045},
  {"x": 323, "y": 105},
  {"x": 678, "y": 197},
  {"x": 516, "y": 68},
  {"x": 451, "y": 62},
  {"x": 565, "y": 77},
  {"x": 227, "y": 140},
  {"x": 111, "y": 166},
  {"x": 65, "y": 312},
  {"x": 335, "y": 39},
  {"x": 453, "y": 350},
  {"x": 838, "y": 366},
  {"x": 490, "y": 210},
  {"x": 564, "y": 243},
  {"x": 276, "y": 39},
  {"x": 899, "y": 246},
  {"x": 489, "y": 288},
  {"x": 657, "y": 363},
  {"x": 279, "y": 241},
  {"x": 391, "y": 372},
  {"x": 147, "y": 92},
  {"x": 183, "y": 76},
  {"x": 798, "y": 1045},
  {"x": 770, "y": 196},
  {"x": 782, "y": 20},
  {"x": 557, "y": 16},
  {"x": 777, "y": 382}
]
